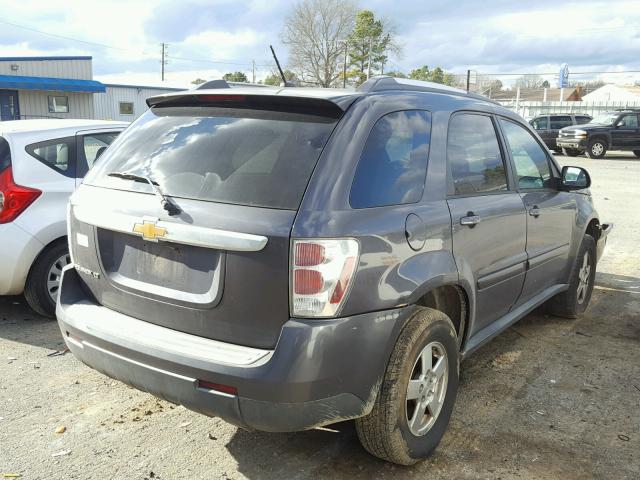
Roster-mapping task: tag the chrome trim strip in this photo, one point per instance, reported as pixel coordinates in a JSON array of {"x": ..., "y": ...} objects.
[{"x": 176, "y": 232}]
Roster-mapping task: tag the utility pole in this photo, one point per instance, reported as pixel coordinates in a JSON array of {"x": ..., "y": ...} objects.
[
  {"x": 253, "y": 71},
  {"x": 344, "y": 65},
  {"x": 164, "y": 60},
  {"x": 468, "y": 79}
]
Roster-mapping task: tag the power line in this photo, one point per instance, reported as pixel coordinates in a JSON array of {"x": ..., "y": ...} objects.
[
  {"x": 552, "y": 73},
  {"x": 203, "y": 60},
  {"x": 63, "y": 37}
]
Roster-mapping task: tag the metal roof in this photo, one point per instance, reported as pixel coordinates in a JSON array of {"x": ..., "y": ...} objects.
[
  {"x": 148, "y": 87},
  {"x": 42, "y": 59},
  {"x": 17, "y": 82}
]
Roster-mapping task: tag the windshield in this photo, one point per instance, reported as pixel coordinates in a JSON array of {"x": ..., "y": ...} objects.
[
  {"x": 239, "y": 156},
  {"x": 604, "y": 118}
]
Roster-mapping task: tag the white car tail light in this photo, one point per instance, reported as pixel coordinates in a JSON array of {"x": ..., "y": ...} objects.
[{"x": 321, "y": 273}]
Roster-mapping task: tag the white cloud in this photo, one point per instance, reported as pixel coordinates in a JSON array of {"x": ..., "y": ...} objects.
[{"x": 490, "y": 36}]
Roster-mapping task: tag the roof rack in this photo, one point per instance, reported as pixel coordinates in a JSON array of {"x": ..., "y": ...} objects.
[{"x": 381, "y": 83}]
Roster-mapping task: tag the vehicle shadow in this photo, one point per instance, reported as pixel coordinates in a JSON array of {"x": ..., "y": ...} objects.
[
  {"x": 18, "y": 323},
  {"x": 618, "y": 282},
  {"x": 501, "y": 386}
]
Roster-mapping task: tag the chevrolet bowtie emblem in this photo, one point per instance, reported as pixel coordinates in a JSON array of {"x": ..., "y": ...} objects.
[{"x": 149, "y": 231}]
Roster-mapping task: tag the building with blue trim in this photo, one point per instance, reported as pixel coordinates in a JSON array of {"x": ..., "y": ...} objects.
[{"x": 63, "y": 87}]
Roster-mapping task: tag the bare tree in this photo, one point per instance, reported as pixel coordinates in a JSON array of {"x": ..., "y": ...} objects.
[
  {"x": 316, "y": 31},
  {"x": 530, "y": 81}
]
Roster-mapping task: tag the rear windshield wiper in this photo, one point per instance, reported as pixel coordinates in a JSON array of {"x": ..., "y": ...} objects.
[{"x": 171, "y": 208}]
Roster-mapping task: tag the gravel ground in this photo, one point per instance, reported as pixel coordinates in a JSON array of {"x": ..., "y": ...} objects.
[{"x": 548, "y": 398}]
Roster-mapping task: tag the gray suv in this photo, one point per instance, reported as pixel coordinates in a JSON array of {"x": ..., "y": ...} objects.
[{"x": 290, "y": 258}]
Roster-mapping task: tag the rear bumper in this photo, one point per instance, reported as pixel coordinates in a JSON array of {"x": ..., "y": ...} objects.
[
  {"x": 605, "y": 230},
  {"x": 568, "y": 142},
  {"x": 18, "y": 250},
  {"x": 320, "y": 372}
]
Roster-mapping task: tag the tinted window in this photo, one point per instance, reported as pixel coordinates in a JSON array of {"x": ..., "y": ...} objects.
[
  {"x": 126, "y": 108},
  {"x": 95, "y": 145},
  {"x": 58, "y": 154},
  {"x": 239, "y": 156},
  {"x": 629, "y": 121},
  {"x": 5, "y": 154},
  {"x": 531, "y": 162},
  {"x": 580, "y": 120},
  {"x": 393, "y": 164},
  {"x": 541, "y": 123},
  {"x": 560, "y": 121},
  {"x": 474, "y": 160}
]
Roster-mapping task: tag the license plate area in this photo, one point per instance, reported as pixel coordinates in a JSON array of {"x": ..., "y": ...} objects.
[{"x": 162, "y": 270}]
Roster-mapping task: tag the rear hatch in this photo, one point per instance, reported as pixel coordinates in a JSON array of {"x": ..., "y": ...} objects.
[{"x": 236, "y": 166}]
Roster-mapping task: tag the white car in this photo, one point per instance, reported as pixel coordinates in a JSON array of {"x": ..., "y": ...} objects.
[{"x": 41, "y": 162}]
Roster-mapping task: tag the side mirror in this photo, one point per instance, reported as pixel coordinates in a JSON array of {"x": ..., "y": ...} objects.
[{"x": 575, "y": 178}]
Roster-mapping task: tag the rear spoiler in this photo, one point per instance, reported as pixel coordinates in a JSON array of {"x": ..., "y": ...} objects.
[{"x": 226, "y": 98}]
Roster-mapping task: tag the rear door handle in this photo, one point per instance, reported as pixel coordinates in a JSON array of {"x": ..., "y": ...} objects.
[
  {"x": 535, "y": 211},
  {"x": 470, "y": 220}
]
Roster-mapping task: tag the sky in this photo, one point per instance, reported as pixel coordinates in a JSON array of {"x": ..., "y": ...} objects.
[{"x": 209, "y": 38}]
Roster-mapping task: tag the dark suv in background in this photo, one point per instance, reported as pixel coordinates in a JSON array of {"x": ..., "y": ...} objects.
[
  {"x": 617, "y": 130},
  {"x": 548, "y": 126},
  {"x": 287, "y": 258}
]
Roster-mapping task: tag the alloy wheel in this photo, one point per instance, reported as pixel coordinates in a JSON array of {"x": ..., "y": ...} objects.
[
  {"x": 597, "y": 149},
  {"x": 584, "y": 277},
  {"x": 427, "y": 388},
  {"x": 54, "y": 274}
]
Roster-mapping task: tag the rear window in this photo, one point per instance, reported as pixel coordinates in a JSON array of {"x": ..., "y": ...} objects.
[
  {"x": 239, "y": 156},
  {"x": 5, "y": 154}
]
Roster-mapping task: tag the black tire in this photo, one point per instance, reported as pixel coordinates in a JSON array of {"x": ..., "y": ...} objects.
[
  {"x": 36, "y": 291},
  {"x": 636, "y": 153},
  {"x": 597, "y": 148},
  {"x": 569, "y": 304},
  {"x": 385, "y": 432},
  {"x": 570, "y": 152}
]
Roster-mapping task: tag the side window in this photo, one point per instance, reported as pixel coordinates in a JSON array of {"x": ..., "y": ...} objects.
[
  {"x": 581, "y": 120},
  {"x": 531, "y": 161},
  {"x": 94, "y": 145},
  {"x": 541, "y": 123},
  {"x": 393, "y": 165},
  {"x": 560, "y": 121},
  {"x": 474, "y": 160},
  {"x": 59, "y": 154},
  {"x": 629, "y": 121},
  {"x": 126, "y": 108}
]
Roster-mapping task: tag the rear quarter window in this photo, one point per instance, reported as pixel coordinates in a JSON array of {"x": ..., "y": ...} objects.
[
  {"x": 560, "y": 121},
  {"x": 5, "y": 154},
  {"x": 393, "y": 164},
  {"x": 58, "y": 154}
]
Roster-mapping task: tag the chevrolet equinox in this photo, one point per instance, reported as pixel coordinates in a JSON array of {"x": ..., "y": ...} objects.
[{"x": 287, "y": 258}]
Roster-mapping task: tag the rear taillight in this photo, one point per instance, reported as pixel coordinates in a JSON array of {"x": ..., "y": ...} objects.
[
  {"x": 322, "y": 271},
  {"x": 14, "y": 199}
]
